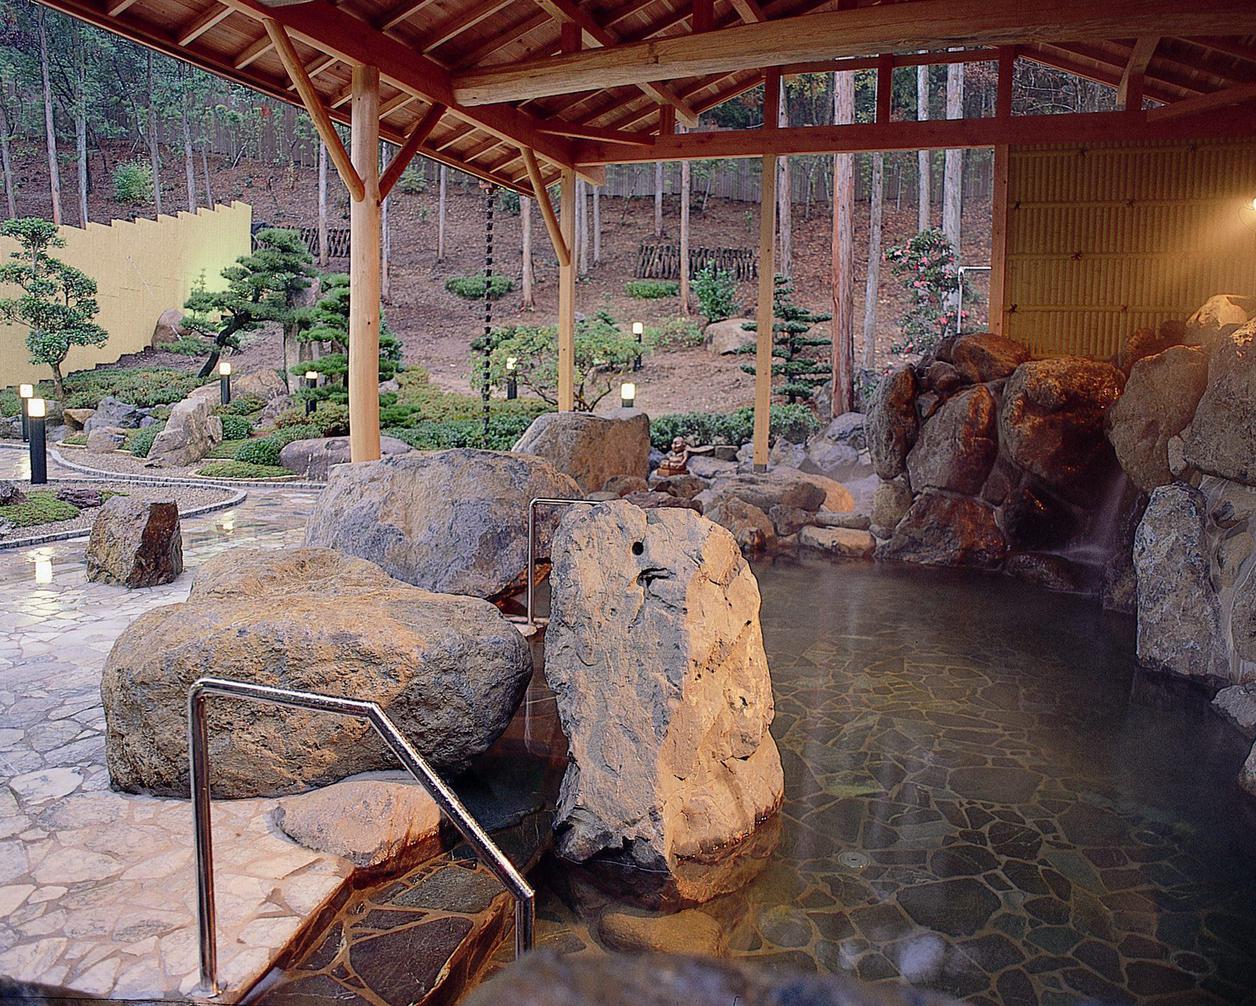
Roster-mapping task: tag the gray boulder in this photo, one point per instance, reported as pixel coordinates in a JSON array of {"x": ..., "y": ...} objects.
[
  {"x": 956, "y": 448},
  {"x": 892, "y": 423},
  {"x": 191, "y": 432},
  {"x": 103, "y": 441},
  {"x": 1179, "y": 614},
  {"x": 783, "y": 487},
  {"x": 450, "y": 671},
  {"x": 83, "y": 497},
  {"x": 1219, "y": 318},
  {"x": 314, "y": 458},
  {"x": 1159, "y": 399},
  {"x": 450, "y": 521},
  {"x": 265, "y": 384},
  {"x": 1237, "y": 703},
  {"x": 590, "y": 449},
  {"x": 1222, "y": 437},
  {"x": 984, "y": 356},
  {"x": 941, "y": 530},
  {"x": 656, "y": 658},
  {"x": 135, "y": 543},
  {"x": 890, "y": 504},
  {"x": 169, "y": 328},
  {"x": 113, "y": 412},
  {"x": 10, "y": 494},
  {"x": 749, "y": 525},
  {"x": 723, "y": 338}
]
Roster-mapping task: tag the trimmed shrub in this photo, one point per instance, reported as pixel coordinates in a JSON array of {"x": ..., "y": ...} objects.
[
  {"x": 472, "y": 287},
  {"x": 242, "y": 470},
  {"x": 716, "y": 290},
  {"x": 140, "y": 442},
  {"x": 793, "y": 422},
  {"x": 503, "y": 432},
  {"x": 75, "y": 439},
  {"x": 241, "y": 405},
  {"x": 141, "y": 386},
  {"x": 651, "y": 289},
  {"x": 235, "y": 427},
  {"x": 133, "y": 183},
  {"x": 41, "y": 507},
  {"x": 677, "y": 333},
  {"x": 265, "y": 450}
]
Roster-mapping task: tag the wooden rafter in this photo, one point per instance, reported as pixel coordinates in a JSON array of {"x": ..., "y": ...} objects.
[
  {"x": 400, "y": 13},
  {"x": 406, "y": 153},
  {"x": 451, "y": 29},
  {"x": 1238, "y": 95},
  {"x": 748, "y": 10},
  {"x": 571, "y": 13},
  {"x": 213, "y": 15},
  {"x": 314, "y": 106},
  {"x": 888, "y": 27},
  {"x": 1129, "y": 92},
  {"x": 560, "y": 128}
]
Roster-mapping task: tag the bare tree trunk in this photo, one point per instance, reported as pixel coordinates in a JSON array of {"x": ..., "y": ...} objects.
[
  {"x": 658, "y": 199},
  {"x": 154, "y": 155},
  {"x": 440, "y": 214},
  {"x": 525, "y": 214},
  {"x": 50, "y": 130},
  {"x": 924, "y": 158},
  {"x": 189, "y": 158},
  {"x": 209, "y": 185},
  {"x": 80, "y": 144},
  {"x": 784, "y": 202},
  {"x": 843, "y": 348},
  {"x": 685, "y": 181},
  {"x": 953, "y": 175},
  {"x": 385, "y": 234},
  {"x": 876, "y": 212},
  {"x": 6, "y": 159},
  {"x": 582, "y": 227},
  {"x": 324, "y": 252},
  {"x": 597, "y": 224}
]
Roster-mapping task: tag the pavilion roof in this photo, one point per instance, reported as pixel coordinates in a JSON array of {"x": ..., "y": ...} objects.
[{"x": 439, "y": 59}]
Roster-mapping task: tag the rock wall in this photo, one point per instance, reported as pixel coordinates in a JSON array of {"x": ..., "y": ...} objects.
[{"x": 990, "y": 460}]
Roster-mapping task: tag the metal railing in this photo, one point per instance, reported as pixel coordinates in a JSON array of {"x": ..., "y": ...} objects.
[
  {"x": 485, "y": 849},
  {"x": 543, "y": 501}
]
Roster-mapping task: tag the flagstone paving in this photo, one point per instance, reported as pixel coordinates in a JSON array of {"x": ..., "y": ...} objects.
[{"x": 97, "y": 887}]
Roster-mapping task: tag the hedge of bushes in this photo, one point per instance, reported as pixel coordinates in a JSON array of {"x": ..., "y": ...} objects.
[
  {"x": 793, "y": 422},
  {"x": 651, "y": 289}
]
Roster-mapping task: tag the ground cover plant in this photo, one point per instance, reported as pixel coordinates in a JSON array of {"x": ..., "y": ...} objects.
[{"x": 241, "y": 470}]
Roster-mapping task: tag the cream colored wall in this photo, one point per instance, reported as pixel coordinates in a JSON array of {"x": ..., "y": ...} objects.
[
  {"x": 1106, "y": 239},
  {"x": 141, "y": 268}
]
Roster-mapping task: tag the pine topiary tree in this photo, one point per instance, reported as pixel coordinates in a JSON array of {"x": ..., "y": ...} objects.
[
  {"x": 57, "y": 304},
  {"x": 801, "y": 373},
  {"x": 261, "y": 287},
  {"x": 328, "y": 322}
]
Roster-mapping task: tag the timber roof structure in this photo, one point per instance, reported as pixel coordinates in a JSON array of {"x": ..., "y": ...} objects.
[{"x": 472, "y": 83}]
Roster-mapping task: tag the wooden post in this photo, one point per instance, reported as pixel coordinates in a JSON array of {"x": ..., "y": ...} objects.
[
  {"x": 567, "y": 294},
  {"x": 364, "y": 270},
  {"x": 763, "y": 314},
  {"x": 997, "y": 317}
]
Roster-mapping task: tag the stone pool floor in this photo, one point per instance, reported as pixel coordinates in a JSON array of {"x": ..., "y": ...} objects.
[
  {"x": 983, "y": 797},
  {"x": 96, "y": 887}
]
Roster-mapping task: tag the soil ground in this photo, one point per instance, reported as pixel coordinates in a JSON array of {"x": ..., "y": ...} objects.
[{"x": 437, "y": 327}]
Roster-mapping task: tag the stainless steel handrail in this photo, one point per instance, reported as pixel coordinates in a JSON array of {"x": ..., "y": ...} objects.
[
  {"x": 543, "y": 501},
  {"x": 485, "y": 849}
]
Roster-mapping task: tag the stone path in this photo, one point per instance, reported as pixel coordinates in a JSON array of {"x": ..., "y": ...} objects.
[{"x": 97, "y": 887}]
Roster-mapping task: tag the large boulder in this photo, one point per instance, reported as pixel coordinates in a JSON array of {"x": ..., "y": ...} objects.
[
  {"x": 113, "y": 412},
  {"x": 728, "y": 336},
  {"x": 169, "y": 327},
  {"x": 1219, "y": 318},
  {"x": 103, "y": 441},
  {"x": 890, "y": 504},
  {"x": 314, "y": 458},
  {"x": 956, "y": 448},
  {"x": 450, "y": 671},
  {"x": 835, "y": 451},
  {"x": 1179, "y": 614},
  {"x": 891, "y": 423},
  {"x": 553, "y": 978},
  {"x": 135, "y": 543},
  {"x": 191, "y": 432},
  {"x": 1144, "y": 342},
  {"x": 751, "y": 528},
  {"x": 1159, "y": 400},
  {"x": 655, "y": 655},
  {"x": 266, "y": 384},
  {"x": 1051, "y": 423},
  {"x": 1222, "y": 438},
  {"x": 984, "y": 356},
  {"x": 589, "y": 448},
  {"x": 943, "y": 530},
  {"x": 450, "y": 521},
  {"x": 10, "y": 494},
  {"x": 781, "y": 486}
]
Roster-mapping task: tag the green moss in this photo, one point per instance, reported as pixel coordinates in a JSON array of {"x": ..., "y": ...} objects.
[
  {"x": 75, "y": 439},
  {"x": 227, "y": 449},
  {"x": 242, "y": 470},
  {"x": 41, "y": 507},
  {"x": 651, "y": 289},
  {"x": 140, "y": 442},
  {"x": 235, "y": 427}
]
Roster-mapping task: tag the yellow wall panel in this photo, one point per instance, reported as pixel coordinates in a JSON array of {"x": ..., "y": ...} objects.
[
  {"x": 1106, "y": 239},
  {"x": 141, "y": 268}
]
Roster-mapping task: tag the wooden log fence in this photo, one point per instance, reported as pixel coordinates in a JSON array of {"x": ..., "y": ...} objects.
[{"x": 662, "y": 261}]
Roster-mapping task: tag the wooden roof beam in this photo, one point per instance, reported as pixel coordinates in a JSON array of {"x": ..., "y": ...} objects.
[
  {"x": 401, "y": 12},
  {"x": 749, "y": 11},
  {"x": 1238, "y": 95},
  {"x": 547, "y": 210},
  {"x": 405, "y": 155},
  {"x": 1129, "y": 92},
  {"x": 858, "y": 32},
  {"x": 469, "y": 18},
  {"x": 584, "y": 132},
  {"x": 214, "y": 15}
]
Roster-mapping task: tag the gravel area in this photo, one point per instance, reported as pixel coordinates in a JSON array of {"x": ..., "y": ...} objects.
[{"x": 187, "y": 497}]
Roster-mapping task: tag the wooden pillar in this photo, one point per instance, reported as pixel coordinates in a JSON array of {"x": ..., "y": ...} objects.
[
  {"x": 997, "y": 320},
  {"x": 364, "y": 270},
  {"x": 763, "y": 315},
  {"x": 567, "y": 294}
]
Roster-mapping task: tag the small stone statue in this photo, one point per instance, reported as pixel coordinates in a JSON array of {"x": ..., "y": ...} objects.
[{"x": 676, "y": 461}]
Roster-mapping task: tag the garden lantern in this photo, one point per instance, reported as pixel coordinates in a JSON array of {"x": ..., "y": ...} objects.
[
  {"x": 638, "y": 330},
  {"x": 628, "y": 395},
  {"x": 224, "y": 382},
  {"x": 512, "y": 383},
  {"x": 25, "y": 392},
  {"x": 37, "y": 409},
  {"x": 311, "y": 382}
]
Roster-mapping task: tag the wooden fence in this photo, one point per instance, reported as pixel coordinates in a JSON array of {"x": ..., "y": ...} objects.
[
  {"x": 337, "y": 241},
  {"x": 662, "y": 261}
]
